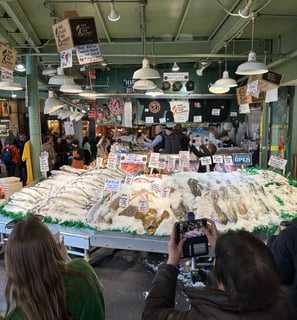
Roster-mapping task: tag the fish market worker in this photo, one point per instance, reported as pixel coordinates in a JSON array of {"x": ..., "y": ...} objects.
[
  {"x": 158, "y": 143},
  {"x": 43, "y": 282},
  {"x": 204, "y": 151}
]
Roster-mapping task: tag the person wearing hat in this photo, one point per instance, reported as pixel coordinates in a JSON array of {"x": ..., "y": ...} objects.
[
  {"x": 204, "y": 151},
  {"x": 158, "y": 143},
  {"x": 172, "y": 142}
]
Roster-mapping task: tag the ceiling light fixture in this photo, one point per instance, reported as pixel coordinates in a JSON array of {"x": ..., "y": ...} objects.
[
  {"x": 70, "y": 87},
  {"x": 213, "y": 89},
  {"x": 52, "y": 104},
  {"x": 49, "y": 71},
  {"x": 154, "y": 92},
  {"x": 113, "y": 15},
  {"x": 252, "y": 66},
  {"x": 10, "y": 86},
  {"x": 20, "y": 67},
  {"x": 175, "y": 67},
  {"x": 245, "y": 12},
  {"x": 146, "y": 72},
  {"x": 225, "y": 81},
  {"x": 144, "y": 84},
  {"x": 60, "y": 78}
]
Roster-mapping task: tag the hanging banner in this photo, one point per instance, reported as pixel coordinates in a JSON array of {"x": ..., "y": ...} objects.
[
  {"x": 7, "y": 57},
  {"x": 88, "y": 53}
]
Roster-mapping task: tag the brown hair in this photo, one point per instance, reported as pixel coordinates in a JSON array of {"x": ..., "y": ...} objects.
[
  {"x": 212, "y": 148},
  {"x": 34, "y": 269}
]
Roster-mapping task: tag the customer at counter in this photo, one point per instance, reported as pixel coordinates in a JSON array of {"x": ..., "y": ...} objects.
[
  {"x": 172, "y": 142},
  {"x": 43, "y": 283},
  {"x": 247, "y": 285}
]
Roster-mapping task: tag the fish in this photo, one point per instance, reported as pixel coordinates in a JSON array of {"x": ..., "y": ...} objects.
[
  {"x": 129, "y": 211},
  {"x": 195, "y": 187},
  {"x": 241, "y": 207},
  {"x": 180, "y": 212},
  {"x": 219, "y": 215},
  {"x": 223, "y": 193}
]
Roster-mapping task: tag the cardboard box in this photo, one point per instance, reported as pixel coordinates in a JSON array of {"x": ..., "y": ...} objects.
[
  {"x": 7, "y": 57},
  {"x": 10, "y": 185},
  {"x": 267, "y": 81},
  {"x": 242, "y": 98},
  {"x": 75, "y": 31}
]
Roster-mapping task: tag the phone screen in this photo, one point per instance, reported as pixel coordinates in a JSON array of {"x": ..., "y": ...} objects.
[{"x": 196, "y": 243}]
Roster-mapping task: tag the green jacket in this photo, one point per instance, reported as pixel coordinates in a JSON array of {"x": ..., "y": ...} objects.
[{"x": 83, "y": 301}]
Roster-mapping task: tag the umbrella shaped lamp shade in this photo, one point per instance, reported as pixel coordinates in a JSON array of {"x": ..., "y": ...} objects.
[
  {"x": 52, "y": 104},
  {"x": 146, "y": 72}
]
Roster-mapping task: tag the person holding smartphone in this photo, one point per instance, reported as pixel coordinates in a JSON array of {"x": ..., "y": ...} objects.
[{"x": 247, "y": 285}]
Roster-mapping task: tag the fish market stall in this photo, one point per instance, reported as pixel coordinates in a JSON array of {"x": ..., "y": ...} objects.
[{"x": 111, "y": 208}]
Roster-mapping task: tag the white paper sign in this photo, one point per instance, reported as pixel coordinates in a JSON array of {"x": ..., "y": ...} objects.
[
  {"x": 143, "y": 205},
  {"x": 99, "y": 162},
  {"x": 88, "y": 53},
  {"x": 271, "y": 95},
  {"x": 112, "y": 185},
  {"x": 277, "y": 162},
  {"x": 184, "y": 159},
  {"x": 149, "y": 119},
  {"x": 228, "y": 160},
  {"x": 154, "y": 160},
  {"x": 215, "y": 112},
  {"x": 124, "y": 200},
  {"x": 112, "y": 161},
  {"x": 205, "y": 161},
  {"x": 197, "y": 119},
  {"x": 69, "y": 129},
  {"x": 43, "y": 161},
  {"x": 129, "y": 179},
  {"x": 217, "y": 158},
  {"x": 165, "y": 192}
]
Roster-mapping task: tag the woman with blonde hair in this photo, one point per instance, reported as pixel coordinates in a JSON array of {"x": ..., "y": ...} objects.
[{"x": 41, "y": 284}]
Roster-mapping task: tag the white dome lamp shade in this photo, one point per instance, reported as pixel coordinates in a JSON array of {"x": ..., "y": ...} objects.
[
  {"x": 144, "y": 84},
  {"x": 52, "y": 104},
  {"x": 74, "y": 115},
  {"x": 154, "y": 92},
  {"x": 225, "y": 81},
  {"x": 60, "y": 78},
  {"x": 217, "y": 90},
  {"x": 70, "y": 87},
  {"x": 113, "y": 14},
  {"x": 10, "y": 86},
  {"x": 49, "y": 71},
  {"x": 252, "y": 66},
  {"x": 64, "y": 113},
  {"x": 146, "y": 72}
]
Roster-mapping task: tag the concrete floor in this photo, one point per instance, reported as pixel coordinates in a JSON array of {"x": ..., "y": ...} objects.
[{"x": 126, "y": 277}]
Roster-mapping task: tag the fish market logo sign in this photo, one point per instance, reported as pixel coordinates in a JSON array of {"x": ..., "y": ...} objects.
[{"x": 242, "y": 159}]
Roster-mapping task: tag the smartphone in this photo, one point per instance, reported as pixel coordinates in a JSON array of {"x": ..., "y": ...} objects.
[{"x": 196, "y": 243}]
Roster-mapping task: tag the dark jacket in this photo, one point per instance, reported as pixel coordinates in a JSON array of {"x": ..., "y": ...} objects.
[
  {"x": 172, "y": 144},
  {"x": 284, "y": 250},
  {"x": 161, "y": 145},
  {"x": 184, "y": 142},
  {"x": 206, "y": 304},
  {"x": 203, "y": 152}
]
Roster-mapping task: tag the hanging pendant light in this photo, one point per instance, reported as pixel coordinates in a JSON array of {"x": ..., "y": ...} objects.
[
  {"x": 225, "y": 81},
  {"x": 60, "y": 78},
  {"x": 252, "y": 66},
  {"x": 113, "y": 14},
  {"x": 70, "y": 87},
  {"x": 214, "y": 89},
  {"x": 175, "y": 67},
  {"x": 146, "y": 72},
  {"x": 154, "y": 92},
  {"x": 52, "y": 104},
  {"x": 144, "y": 84},
  {"x": 10, "y": 86}
]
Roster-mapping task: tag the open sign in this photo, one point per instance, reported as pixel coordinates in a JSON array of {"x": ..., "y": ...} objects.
[{"x": 242, "y": 159}]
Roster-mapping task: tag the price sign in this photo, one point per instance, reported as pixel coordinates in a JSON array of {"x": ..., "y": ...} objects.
[
  {"x": 143, "y": 205},
  {"x": 154, "y": 160},
  {"x": 112, "y": 185},
  {"x": 218, "y": 158},
  {"x": 112, "y": 161},
  {"x": 184, "y": 159},
  {"x": 43, "y": 161},
  {"x": 124, "y": 200},
  {"x": 205, "y": 161},
  {"x": 129, "y": 179},
  {"x": 277, "y": 162},
  {"x": 165, "y": 192},
  {"x": 99, "y": 162},
  {"x": 228, "y": 160}
]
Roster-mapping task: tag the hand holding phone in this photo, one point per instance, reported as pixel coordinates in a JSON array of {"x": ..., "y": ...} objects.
[{"x": 196, "y": 243}]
